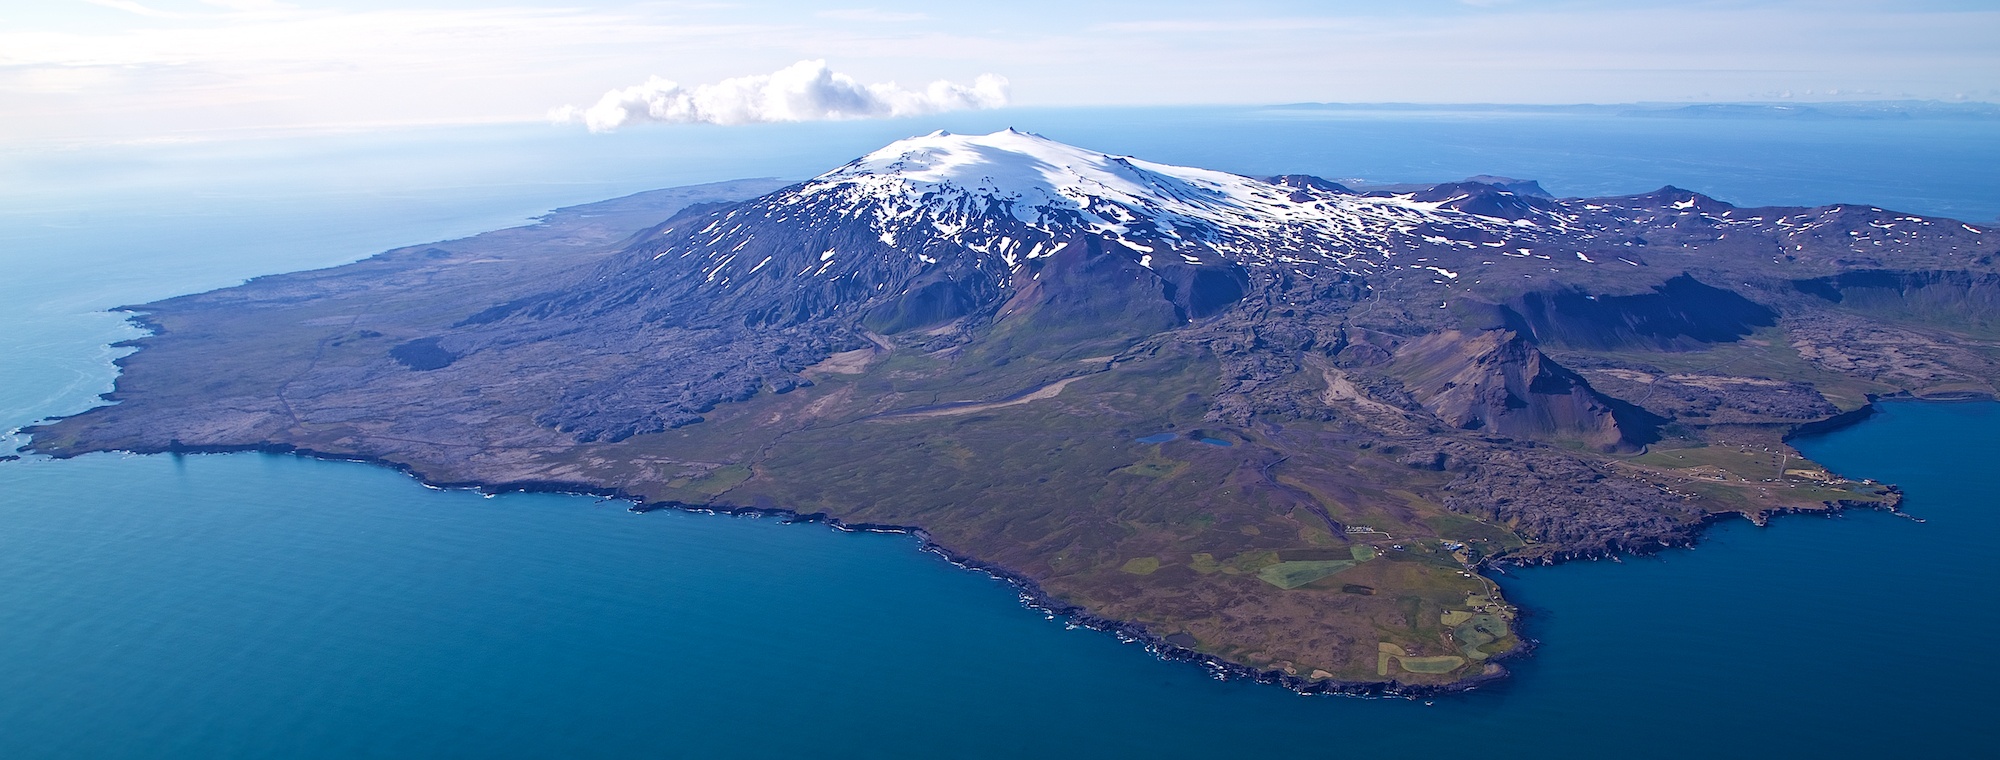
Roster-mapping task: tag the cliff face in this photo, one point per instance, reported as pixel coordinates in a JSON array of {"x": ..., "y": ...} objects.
[
  {"x": 1680, "y": 314},
  {"x": 1966, "y": 298},
  {"x": 1276, "y": 423}
]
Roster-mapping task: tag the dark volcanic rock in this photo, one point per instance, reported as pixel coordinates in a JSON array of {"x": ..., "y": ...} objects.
[
  {"x": 1680, "y": 313},
  {"x": 1571, "y": 506},
  {"x": 423, "y": 354}
]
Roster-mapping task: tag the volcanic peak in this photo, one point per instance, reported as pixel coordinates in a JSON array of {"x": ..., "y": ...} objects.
[{"x": 950, "y": 186}]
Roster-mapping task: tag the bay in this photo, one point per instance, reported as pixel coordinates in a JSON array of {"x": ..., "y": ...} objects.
[{"x": 256, "y": 605}]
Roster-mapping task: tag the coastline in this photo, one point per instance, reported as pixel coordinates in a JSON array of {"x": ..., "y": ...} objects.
[
  {"x": 1856, "y": 416},
  {"x": 1686, "y": 533},
  {"x": 1033, "y": 596},
  {"x": 1837, "y": 422},
  {"x": 1030, "y": 593}
]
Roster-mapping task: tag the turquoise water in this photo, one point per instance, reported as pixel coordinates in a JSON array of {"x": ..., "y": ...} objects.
[{"x": 257, "y": 606}]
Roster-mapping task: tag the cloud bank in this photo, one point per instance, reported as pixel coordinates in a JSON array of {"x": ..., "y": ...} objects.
[
  {"x": 803, "y": 91},
  {"x": 75, "y": 71}
]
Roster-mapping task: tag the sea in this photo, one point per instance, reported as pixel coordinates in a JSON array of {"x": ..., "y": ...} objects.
[{"x": 259, "y": 606}]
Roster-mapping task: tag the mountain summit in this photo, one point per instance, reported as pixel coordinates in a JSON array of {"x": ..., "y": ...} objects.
[
  {"x": 984, "y": 190},
  {"x": 1003, "y": 200}
]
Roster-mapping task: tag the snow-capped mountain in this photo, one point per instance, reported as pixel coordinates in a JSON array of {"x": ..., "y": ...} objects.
[
  {"x": 971, "y": 188},
  {"x": 1000, "y": 201},
  {"x": 935, "y": 239}
]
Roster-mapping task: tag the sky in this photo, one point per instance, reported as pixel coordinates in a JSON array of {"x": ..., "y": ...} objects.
[{"x": 134, "y": 70}]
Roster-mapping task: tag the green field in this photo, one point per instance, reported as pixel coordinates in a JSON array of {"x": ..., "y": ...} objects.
[
  {"x": 1477, "y": 631},
  {"x": 1434, "y": 665},
  {"x": 1141, "y": 565},
  {"x": 1491, "y": 539},
  {"x": 1742, "y": 462},
  {"x": 1765, "y": 353},
  {"x": 1150, "y": 469},
  {"x": 1753, "y": 484},
  {"x": 1291, "y": 575}
]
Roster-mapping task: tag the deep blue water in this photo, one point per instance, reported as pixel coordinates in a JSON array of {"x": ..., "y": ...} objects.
[{"x": 259, "y": 606}]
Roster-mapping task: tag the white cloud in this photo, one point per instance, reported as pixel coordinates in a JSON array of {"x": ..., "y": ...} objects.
[
  {"x": 804, "y": 91},
  {"x": 75, "y": 70}
]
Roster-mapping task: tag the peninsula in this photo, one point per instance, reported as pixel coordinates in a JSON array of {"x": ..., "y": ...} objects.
[{"x": 1275, "y": 425}]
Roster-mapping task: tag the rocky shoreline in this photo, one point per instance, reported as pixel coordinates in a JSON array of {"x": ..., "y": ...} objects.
[
  {"x": 1030, "y": 593},
  {"x": 1034, "y": 596}
]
